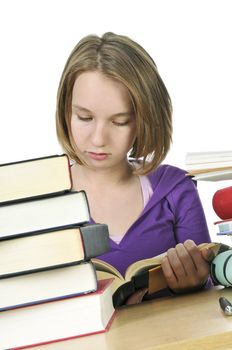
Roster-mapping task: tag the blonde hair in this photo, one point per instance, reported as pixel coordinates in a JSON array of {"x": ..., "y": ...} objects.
[{"x": 121, "y": 58}]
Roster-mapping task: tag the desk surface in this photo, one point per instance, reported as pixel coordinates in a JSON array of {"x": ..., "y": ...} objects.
[{"x": 185, "y": 322}]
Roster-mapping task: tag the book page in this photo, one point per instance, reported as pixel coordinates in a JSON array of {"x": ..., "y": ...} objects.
[{"x": 104, "y": 266}]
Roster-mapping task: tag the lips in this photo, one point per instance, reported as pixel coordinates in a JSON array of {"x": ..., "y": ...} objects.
[{"x": 98, "y": 156}]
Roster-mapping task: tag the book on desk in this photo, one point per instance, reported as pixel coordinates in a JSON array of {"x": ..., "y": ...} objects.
[
  {"x": 46, "y": 243},
  {"x": 57, "y": 320}
]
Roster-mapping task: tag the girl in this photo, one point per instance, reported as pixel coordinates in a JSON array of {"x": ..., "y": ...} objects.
[{"x": 114, "y": 120}]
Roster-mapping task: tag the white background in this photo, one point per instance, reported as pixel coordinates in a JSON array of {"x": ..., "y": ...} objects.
[{"x": 190, "y": 42}]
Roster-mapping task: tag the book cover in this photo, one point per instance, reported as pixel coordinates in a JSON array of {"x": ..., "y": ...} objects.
[
  {"x": 41, "y": 214},
  {"x": 54, "y": 284},
  {"x": 45, "y": 250},
  {"x": 58, "y": 320},
  {"x": 34, "y": 177},
  {"x": 220, "y": 175},
  {"x": 146, "y": 273}
]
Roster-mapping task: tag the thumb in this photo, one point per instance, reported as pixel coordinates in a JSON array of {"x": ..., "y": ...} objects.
[{"x": 208, "y": 254}]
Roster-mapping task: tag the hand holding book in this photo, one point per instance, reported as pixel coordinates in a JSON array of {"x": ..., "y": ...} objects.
[{"x": 146, "y": 273}]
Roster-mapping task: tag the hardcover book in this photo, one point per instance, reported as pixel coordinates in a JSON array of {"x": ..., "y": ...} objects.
[
  {"x": 146, "y": 273},
  {"x": 44, "y": 213},
  {"x": 34, "y": 177},
  {"x": 57, "y": 320},
  {"x": 50, "y": 249},
  {"x": 209, "y": 166},
  {"x": 54, "y": 284}
]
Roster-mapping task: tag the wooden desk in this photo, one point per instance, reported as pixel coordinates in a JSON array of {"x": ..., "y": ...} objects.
[{"x": 185, "y": 322}]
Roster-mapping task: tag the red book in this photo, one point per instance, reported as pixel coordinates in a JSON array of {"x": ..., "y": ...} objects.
[{"x": 58, "y": 320}]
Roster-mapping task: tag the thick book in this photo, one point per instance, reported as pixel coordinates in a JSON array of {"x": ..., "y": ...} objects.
[
  {"x": 146, "y": 273},
  {"x": 43, "y": 286},
  {"x": 34, "y": 177},
  {"x": 41, "y": 214},
  {"x": 51, "y": 249},
  {"x": 58, "y": 320},
  {"x": 209, "y": 166}
]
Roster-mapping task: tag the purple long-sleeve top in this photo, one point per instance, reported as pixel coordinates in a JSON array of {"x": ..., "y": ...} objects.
[{"x": 173, "y": 214}]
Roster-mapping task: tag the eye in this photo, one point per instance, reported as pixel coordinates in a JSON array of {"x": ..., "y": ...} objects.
[
  {"x": 86, "y": 118},
  {"x": 120, "y": 123}
]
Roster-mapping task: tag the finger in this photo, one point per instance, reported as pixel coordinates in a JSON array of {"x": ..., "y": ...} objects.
[
  {"x": 137, "y": 297},
  {"x": 168, "y": 273},
  {"x": 208, "y": 254},
  {"x": 178, "y": 257},
  {"x": 201, "y": 265},
  {"x": 185, "y": 259}
]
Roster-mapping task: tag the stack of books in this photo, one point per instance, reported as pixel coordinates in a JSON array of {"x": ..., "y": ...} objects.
[
  {"x": 209, "y": 166},
  {"x": 48, "y": 285}
]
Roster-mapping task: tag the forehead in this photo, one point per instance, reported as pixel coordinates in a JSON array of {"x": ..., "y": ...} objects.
[{"x": 94, "y": 91}]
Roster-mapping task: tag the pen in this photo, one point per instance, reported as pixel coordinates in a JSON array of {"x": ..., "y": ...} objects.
[{"x": 226, "y": 306}]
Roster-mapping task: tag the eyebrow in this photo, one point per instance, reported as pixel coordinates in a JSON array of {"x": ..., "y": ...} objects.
[{"x": 83, "y": 109}]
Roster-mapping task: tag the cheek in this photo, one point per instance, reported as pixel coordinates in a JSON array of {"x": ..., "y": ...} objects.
[{"x": 76, "y": 133}]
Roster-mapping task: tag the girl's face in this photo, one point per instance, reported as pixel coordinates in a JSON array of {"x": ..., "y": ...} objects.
[{"x": 103, "y": 121}]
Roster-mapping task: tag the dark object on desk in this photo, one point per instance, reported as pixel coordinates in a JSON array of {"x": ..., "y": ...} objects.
[{"x": 226, "y": 306}]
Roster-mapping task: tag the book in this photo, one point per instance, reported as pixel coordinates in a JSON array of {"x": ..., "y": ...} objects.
[
  {"x": 39, "y": 287},
  {"x": 51, "y": 249},
  {"x": 58, "y": 320},
  {"x": 43, "y": 213},
  {"x": 146, "y": 273},
  {"x": 209, "y": 166},
  {"x": 34, "y": 177},
  {"x": 225, "y": 233},
  {"x": 224, "y": 226}
]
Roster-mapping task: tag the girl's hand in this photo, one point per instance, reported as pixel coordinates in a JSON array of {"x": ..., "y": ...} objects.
[
  {"x": 137, "y": 297},
  {"x": 186, "y": 267}
]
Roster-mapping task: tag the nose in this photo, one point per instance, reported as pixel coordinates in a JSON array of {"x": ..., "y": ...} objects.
[{"x": 99, "y": 135}]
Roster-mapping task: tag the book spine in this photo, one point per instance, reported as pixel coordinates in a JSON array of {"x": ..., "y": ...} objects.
[
  {"x": 123, "y": 293},
  {"x": 95, "y": 240},
  {"x": 34, "y": 159}
]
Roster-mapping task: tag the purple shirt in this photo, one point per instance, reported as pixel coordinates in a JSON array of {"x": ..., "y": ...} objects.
[{"x": 173, "y": 214}]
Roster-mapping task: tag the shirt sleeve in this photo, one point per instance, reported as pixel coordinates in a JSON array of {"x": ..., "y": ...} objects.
[{"x": 190, "y": 221}]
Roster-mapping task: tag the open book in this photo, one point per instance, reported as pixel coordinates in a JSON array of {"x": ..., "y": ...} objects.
[{"x": 146, "y": 273}]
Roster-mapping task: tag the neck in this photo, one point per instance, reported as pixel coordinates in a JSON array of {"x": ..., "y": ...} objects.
[{"x": 84, "y": 176}]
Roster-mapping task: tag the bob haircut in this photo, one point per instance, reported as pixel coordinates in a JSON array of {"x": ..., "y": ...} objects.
[{"x": 122, "y": 59}]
